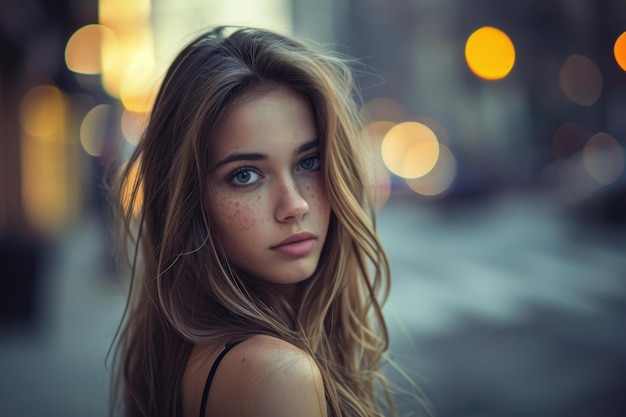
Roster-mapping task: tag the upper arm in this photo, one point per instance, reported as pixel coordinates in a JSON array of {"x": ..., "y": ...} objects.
[{"x": 272, "y": 378}]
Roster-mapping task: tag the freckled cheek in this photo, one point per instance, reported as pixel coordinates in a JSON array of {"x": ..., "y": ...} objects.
[
  {"x": 237, "y": 216},
  {"x": 317, "y": 198}
]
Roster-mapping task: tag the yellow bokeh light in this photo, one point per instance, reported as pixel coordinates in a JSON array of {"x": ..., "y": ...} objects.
[
  {"x": 603, "y": 158},
  {"x": 619, "y": 51},
  {"x": 44, "y": 158},
  {"x": 133, "y": 42},
  {"x": 138, "y": 86},
  {"x": 435, "y": 126},
  {"x": 439, "y": 179},
  {"x": 44, "y": 184},
  {"x": 112, "y": 65},
  {"x": 490, "y": 53},
  {"x": 43, "y": 112},
  {"x": 123, "y": 57},
  {"x": 410, "y": 149},
  {"x": 581, "y": 80},
  {"x": 94, "y": 128},
  {"x": 83, "y": 52},
  {"x": 133, "y": 125},
  {"x": 123, "y": 12}
]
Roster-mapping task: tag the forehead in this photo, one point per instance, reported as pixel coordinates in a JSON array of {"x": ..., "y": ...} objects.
[{"x": 263, "y": 121}]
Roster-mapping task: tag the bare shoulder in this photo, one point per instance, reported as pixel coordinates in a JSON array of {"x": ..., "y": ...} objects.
[
  {"x": 265, "y": 376},
  {"x": 277, "y": 379}
]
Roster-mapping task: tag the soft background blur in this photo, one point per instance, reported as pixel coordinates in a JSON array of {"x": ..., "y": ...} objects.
[{"x": 498, "y": 143}]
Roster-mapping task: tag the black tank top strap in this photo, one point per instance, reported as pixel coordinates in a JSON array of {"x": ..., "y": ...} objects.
[{"x": 209, "y": 380}]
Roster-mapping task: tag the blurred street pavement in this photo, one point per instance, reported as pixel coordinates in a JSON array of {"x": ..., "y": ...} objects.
[
  {"x": 503, "y": 308},
  {"x": 508, "y": 308}
]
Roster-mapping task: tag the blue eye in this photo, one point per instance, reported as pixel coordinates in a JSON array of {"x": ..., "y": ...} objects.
[
  {"x": 243, "y": 176},
  {"x": 310, "y": 163}
]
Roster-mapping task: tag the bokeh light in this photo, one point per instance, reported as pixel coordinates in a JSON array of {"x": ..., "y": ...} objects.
[
  {"x": 619, "y": 51},
  {"x": 132, "y": 125},
  {"x": 581, "y": 80},
  {"x": 43, "y": 112},
  {"x": 410, "y": 149},
  {"x": 130, "y": 21},
  {"x": 603, "y": 158},
  {"x": 439, "y": 179},
  {"x": 83, "y": 52},
  {"x": 138, "y": 86},
  {"x": 44, "y": 161},
  {"x": 378, "y": 176},
  {"x": 130, "y": 53},
  {"x": 440, "y": 131},
  {"x": 490, "y": 53},
  {"x": 93, "y": 129},
  {"x": 123, "y": 11},
  {"x": 384, "y": 108}
]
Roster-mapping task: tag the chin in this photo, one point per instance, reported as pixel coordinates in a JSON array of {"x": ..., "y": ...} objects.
[
  {"x": 285, "y": 274},
  {"x": 293, "y": 279},
  {"x": 295, "y": 276}
]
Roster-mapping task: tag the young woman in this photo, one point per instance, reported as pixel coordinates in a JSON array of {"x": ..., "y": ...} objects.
[{"x": 262, "y": 276}]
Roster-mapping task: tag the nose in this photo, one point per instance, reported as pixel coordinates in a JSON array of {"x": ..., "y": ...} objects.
[{"x": 291, "y": 205}]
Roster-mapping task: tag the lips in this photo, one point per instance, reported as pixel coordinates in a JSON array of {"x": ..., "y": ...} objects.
[{"x": 296, "y": 245}]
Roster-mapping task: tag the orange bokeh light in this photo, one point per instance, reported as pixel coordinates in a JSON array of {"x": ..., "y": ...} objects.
[
  {"x": 619, "y": 51},
  {"x": 83, "y": 52},
  {"x": 490, "y": 53}
]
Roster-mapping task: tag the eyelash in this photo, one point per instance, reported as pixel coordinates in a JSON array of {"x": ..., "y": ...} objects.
[
  {"x": 245, "y": 168},
  {"x": 239, "y": 170},
  {"x": 312, "y": 156}
]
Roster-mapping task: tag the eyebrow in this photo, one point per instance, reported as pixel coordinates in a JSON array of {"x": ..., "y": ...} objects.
[{"x": 254, "y": 156}]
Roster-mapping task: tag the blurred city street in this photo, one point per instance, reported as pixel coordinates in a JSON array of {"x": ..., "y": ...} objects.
[
  {"x": 508, "y": 308},
  {"x": 499, "y": 308},
  {"x": 508, "y": 255}
]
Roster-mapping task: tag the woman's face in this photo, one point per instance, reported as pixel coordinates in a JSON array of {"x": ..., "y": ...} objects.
[{"x": 267, "y": 193}]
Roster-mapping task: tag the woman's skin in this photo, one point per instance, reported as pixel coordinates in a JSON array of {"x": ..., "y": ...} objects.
[
  {"x": 269, "y": 204},
  {"x": 267, "y": 187},
  {"x": 261, "y": 377}
]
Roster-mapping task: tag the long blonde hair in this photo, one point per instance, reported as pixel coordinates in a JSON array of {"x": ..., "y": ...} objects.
[{"x": 187, "y": 291}]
